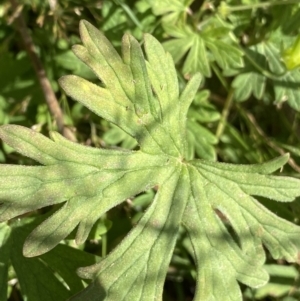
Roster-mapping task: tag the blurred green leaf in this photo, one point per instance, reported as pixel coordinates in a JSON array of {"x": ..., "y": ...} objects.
[
  {"x": 173, "y": 10},
  {"x": 282, "y": 281},
  {"x": 37, "y": 276},
  {"x": 202, "y": 47}
]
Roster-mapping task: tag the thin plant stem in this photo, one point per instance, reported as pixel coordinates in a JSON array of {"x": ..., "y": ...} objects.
[
  {"x": 104, "y": 245},
  {"x": 225, "y": 113},
  {"x": 250, "y": 118},
  {"x": 220, "y": 76},
  {"x": 49, "y": 94},
  {"x": 130, "y": 14},
  {"x": 199, "y": 14},
  {"x": 265, "y": 72}
]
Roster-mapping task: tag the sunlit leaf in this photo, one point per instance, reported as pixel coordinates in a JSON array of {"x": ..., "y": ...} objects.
[{"x": 141, "y": 96}]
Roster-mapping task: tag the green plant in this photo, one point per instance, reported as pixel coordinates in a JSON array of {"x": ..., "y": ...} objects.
[{"x": 213, "y": 201}]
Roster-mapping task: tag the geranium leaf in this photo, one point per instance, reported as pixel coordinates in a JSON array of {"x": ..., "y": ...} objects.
[
  {"x": 141, "y": 96},
  {"x": 284, "y": 83},
  {"x": 211, "y": 43}
]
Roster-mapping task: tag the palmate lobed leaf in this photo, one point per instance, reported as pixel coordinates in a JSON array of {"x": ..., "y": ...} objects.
[
  {"x": 284, "y": 84},
  {"x": 203, "y": 47},
  {"x": 142, "y": 97}
]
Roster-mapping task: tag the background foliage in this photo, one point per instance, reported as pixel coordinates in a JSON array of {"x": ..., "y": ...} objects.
[{"x": 247, "y": 111}]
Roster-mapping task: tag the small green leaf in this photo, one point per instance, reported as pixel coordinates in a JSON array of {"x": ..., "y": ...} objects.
[
  {"x": 253, "y": 79},
  {"x": 209, "y": 44},
  {"x": 287, "y": 89},
  {"x": 197, "y": 59},
  {"x": 226, "y": 55},
  {"x": 203, "y": 141},
  {"x": 247, "y": 83},
  {"x": 172, "y": 9},
  {"x": 115, "y": 136}
]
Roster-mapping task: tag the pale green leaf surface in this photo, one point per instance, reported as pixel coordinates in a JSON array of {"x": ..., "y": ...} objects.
[
  {"x": 141, "y": 97},
  {"x": 197, "y": 59},
  {"x": 143, "y": 256},
  {"x": 217, "y": 254}
]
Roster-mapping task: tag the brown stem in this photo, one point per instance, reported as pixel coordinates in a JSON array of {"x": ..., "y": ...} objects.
[
  {"x": 269, "y": 142},
  {"x": 216, "y": 98},
  {"x": 49, "y": 94}
]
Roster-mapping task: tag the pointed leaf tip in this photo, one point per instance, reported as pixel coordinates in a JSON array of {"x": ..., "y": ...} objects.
[{"x": 85, "y": 25}]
